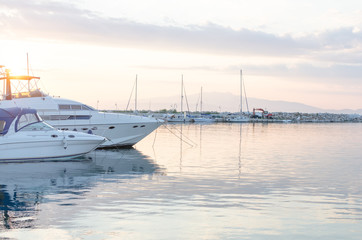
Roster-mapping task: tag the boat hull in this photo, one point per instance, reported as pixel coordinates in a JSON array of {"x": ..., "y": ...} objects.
[
  {"x": 43, "y": 147},
  {"x": 117, "y": 134}
]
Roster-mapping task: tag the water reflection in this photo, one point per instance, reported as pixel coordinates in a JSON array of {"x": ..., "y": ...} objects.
[
  {"x": 264, "y": 167},
  {"x": 223, "y": 181},
  {"x": 25, "y": 186}
]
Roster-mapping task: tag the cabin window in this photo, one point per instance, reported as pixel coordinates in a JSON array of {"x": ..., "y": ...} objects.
[
  {"x": 135, "y": 126},
  {"x": 111, "y": 127},
  {"x": 79, "y": 117},
  {"x": 2, "y": 126},
  {"x": 67, "y": 117},
  {"x": 85, "y": 107},
  {"x": 37, "y": 126},
  {"x": 58, "y": 117},
  {"x": 76, "y": 107},
  {"x": 64, "y": 107},
  {"x": 45, "y": 117}
]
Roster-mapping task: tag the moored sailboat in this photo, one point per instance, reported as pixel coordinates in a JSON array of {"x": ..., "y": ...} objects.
[{"x": 241, "y": 117}]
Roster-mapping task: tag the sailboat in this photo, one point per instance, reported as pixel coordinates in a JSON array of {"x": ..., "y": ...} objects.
[
  {"x": 240, "y": 118},
  {"x": 202, "y": 118},
  {"x": 121, "y": 130},
  {"x": 182, "y": 117}
]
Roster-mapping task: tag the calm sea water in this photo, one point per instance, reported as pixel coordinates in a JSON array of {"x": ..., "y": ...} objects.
[{"x": 214, "y": 181}]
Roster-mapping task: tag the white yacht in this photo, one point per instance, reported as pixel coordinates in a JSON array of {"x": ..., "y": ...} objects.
[
  {"x": 120, "y": 129},
  {"x": 24, "y": 136},
  {"x": 238, "y": 119}
]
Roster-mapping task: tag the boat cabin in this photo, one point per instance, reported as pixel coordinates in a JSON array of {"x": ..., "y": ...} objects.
[{"x": 21, "y": 119}]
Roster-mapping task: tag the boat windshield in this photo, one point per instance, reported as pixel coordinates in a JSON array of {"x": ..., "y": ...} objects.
[
  {"x": 2, "y": 126},
  {"x": 26, "y": 119},
  {"x": 37, "y": 126}
]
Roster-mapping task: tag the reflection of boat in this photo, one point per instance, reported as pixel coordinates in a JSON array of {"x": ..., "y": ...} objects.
[
  {"x": 24, "y": 136},
  {"x": 65, "y": 114},
  {"x": 25, "y": 187},
  {"x": 123, "y": 161}
]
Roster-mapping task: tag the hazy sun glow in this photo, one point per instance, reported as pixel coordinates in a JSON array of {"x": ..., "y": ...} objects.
[{"x": 92, "y": 52}]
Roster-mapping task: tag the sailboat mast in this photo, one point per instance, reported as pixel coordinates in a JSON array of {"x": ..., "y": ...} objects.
[
  {"x": 135, "y": 98},
  {"x": 182, "y": 92},
  {"x": 241, "y": 91},
  {"x": 201, "y": 102}
]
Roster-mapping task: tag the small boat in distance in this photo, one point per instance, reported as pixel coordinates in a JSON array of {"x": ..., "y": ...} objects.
[
  {"x": 121, "y": 130},
  {"x": 24, "y": 136},
  {"x": 182, "y": 116},
  {"x": 186, "y": 117},
  {"x": 241, "y": 117}
]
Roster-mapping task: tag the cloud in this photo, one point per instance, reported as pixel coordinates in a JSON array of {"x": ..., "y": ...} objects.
[
  {"x": 66, "y": 22},
  {"x": 338, "y": 74}
]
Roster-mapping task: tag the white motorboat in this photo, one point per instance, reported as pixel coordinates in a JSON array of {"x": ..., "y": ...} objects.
[
  {"x": 177, "y": 118},
  {"x": 24, "y": 136},
  {"x": 238, "y": 119},
  {"x": 120, "y": 129}
]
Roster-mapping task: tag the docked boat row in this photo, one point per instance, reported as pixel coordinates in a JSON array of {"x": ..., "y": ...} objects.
[
  {"x": 183, "y": 117},
  {"x": 116, "y": 130}
]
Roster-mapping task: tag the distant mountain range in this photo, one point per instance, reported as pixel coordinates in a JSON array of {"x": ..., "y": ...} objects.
[{"x": 227, "y": 102}]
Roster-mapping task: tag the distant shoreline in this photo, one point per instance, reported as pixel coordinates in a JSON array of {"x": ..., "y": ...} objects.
[{"x": 277, "y": 117}]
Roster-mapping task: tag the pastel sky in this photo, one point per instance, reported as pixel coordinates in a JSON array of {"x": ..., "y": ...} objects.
[{"x": 301, "y": 51}]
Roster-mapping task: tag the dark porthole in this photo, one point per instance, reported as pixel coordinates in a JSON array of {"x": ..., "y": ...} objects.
[
  {"x": 84, "y": 129},
  {"x": 54, "y": 136},
  {"x": 135, "y": 126},
  {"x": 143, "y": 126},
  {"x": 71, "y": 136},
  {"x": 111, "y": 127}
]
